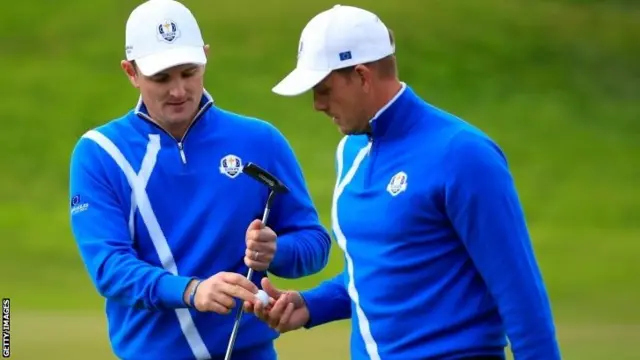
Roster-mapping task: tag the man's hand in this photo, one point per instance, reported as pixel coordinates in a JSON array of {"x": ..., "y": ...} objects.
[
  {"x": 261, "y": 246},
  {"x": 217, "y": 293},
  {"x": 286, "y": 310}
]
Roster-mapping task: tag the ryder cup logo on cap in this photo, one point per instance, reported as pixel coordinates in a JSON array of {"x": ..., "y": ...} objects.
[
  {"x": 340, "y": 37},
  {"x": 161, "y": 34},
  {"x": 168, "y": 31}
]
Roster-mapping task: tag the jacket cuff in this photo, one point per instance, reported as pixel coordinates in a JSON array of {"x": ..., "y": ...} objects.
[{"x": 171, "y": 290}]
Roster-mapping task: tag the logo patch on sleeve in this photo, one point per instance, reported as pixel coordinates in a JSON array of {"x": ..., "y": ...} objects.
[{"x": 77, "y": 206}]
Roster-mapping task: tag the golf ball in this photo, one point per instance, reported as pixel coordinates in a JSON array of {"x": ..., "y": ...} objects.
[{"x": 263, "y": 297}]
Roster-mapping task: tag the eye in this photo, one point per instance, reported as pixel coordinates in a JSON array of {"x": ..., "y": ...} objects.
[
  {"x": 190, "y": 72},
  {"x": 160, "y": 79},
  {"x": 323, "y": 91}
]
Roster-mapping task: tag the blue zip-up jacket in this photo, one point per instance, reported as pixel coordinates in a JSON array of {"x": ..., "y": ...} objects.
[
  {"x": 439, "y": 263},
  {"x": 150, "y": 213}
]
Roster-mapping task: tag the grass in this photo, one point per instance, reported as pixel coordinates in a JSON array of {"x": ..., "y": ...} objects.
[
  {"x": 40, "y": 335},
  {"x": 556, "y": 83}
]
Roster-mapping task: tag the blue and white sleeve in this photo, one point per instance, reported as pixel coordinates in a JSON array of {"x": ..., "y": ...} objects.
[
  {"x": 100, "y": 228},
  {"x": 483, "y": 206},
  {"x": 303, "y": 244},
  {"x": 328, "y": 302}
]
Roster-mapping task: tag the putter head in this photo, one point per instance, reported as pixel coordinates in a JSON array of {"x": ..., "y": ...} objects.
[{"x": 263, "y": 176}]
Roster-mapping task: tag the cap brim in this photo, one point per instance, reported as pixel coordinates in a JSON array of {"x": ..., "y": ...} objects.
[
  {"x": 300, "y": 81},
  {"x": 156, "y": 63}
]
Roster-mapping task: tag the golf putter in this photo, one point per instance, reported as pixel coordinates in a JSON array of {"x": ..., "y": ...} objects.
[{"x": 275, "y": 187}]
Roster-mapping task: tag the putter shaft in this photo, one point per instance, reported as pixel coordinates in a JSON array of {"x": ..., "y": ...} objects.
[{"x": 236, "y": 324}]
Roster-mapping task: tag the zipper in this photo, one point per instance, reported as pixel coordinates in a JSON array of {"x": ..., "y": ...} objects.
[
  {"x": 369, "y": 169},
  {"x": 182, "y": 156},
  {"x": 180, "y": 143}
]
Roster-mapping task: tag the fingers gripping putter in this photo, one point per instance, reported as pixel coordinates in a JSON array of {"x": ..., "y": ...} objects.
[{"x": 275, "y": 187}]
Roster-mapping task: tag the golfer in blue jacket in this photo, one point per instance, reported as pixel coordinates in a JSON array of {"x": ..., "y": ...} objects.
[
  {"x": 439, "y": 263},
  {"x": 164, "y": 220}
]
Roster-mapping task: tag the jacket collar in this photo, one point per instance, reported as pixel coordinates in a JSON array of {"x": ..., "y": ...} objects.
[
  {"x": 393, "y": 119},
  {"x": 142, "y": 113}
]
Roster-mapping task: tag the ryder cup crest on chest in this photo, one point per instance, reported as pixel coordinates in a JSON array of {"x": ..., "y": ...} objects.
[
  {"x": 231, "y": 165},
  {"x": 168, "y": 31},
  {"x": 397, "y": 184}
]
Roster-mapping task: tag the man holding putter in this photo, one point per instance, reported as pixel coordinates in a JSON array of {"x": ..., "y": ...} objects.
[{"x": 165, "y": 221}]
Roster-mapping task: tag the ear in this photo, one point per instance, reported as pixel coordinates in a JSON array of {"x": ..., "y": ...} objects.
[
  {"x": 131, "y": 72},
  {"x": 364, "y": 75},
  {"x": 206, "y": 50}
]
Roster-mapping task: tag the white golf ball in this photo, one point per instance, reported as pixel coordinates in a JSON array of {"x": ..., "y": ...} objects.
[{"x": 263, "y": 297}]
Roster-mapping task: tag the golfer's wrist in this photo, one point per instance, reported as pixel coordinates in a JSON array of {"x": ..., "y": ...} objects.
[{"x": 189, "y": 294}]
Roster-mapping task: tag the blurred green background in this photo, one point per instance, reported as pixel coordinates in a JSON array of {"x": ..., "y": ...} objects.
[{"x": 556, "y": 83}]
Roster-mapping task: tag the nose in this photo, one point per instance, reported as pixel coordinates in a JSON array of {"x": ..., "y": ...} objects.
[
  {"x": 319, "y": 104},
  {"x": 178, "y": 90}
]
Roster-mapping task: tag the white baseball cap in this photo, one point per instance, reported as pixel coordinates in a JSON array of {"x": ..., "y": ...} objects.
[
  {"x": 340, "y": 37},
  {"x": 161, "y": 34}
]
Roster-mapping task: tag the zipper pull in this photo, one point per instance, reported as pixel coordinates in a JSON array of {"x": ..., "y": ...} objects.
[{"x": 184, "y": 158}]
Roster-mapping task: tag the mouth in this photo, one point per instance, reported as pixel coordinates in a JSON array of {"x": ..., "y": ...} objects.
[{"x": 177, "y": 103}]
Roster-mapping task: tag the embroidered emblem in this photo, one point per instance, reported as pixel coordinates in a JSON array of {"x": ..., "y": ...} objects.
[
  {"x": 168, "y": 31},
  {"x": 397, "y": 184},
  {"x": 231, "y": 166},
  {"x": 77, "y": 206}
]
